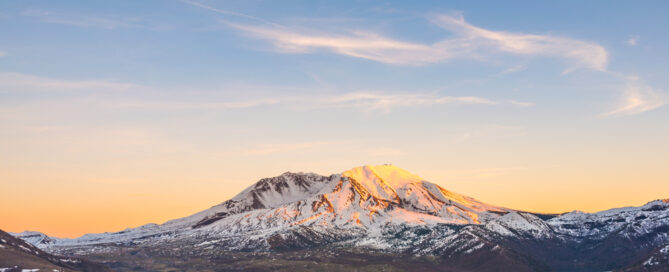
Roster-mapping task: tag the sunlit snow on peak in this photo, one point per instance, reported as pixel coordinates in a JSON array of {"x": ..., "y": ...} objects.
[{"x": 386, "y": 174}]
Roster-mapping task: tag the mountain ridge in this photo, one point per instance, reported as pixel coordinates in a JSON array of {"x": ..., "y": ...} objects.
[{"x": 384, "y": 209}]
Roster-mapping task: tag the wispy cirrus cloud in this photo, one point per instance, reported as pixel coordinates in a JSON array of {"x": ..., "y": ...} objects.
[
  {"x": 358, "y": 44},
  {"x": 381, "y": 101},
  {"x": 90, "y": 21},
  {"x": 225, "y": 11},
  {"x": 364, "y": 101},
  {"x": 19, "y": 82},
  {"x": 579, "y": 53},
  {"x": 471, "y": 42},
  {"x": 125, "y": 95},
  {"x": 638, "y": 98}
]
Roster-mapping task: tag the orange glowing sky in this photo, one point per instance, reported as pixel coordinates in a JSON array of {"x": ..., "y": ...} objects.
[{"x": 114, "y": 116}]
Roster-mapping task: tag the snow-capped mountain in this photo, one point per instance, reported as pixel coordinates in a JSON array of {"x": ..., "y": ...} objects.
[
  {"x": 387, "y": 209},
  {"x": 35, "y": 238},
  {"x": 363, "y": 199}
]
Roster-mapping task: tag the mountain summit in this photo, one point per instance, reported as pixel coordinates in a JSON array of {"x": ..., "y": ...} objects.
[
  {"x": 388, "y": 210},
  {"x": 364, "y": 197}
]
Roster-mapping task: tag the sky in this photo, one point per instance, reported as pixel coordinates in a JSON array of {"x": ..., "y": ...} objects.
[{"x": 115, "y": 114}]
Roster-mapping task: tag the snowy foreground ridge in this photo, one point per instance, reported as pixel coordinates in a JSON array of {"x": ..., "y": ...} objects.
[{"x": 362, "y": 207}]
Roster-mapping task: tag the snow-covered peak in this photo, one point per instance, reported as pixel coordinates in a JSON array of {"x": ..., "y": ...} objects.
[
  {"x": 35, "y": 237},
  {"x": 286, "y": 188},
  {"x": 386, "y": 174},
  {"x": 380, "y": 181}
]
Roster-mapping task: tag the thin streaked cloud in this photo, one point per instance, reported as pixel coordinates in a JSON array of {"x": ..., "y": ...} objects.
[
  {"x": 471, "y": 42},
  {"x": 362, "y": 100},
  {"x": 358, "y": 44},
  {"x": 638, "y": 98},
  {"x": 19, "y": 82},
  {"x": 578, "y": 52},
  {"x": 381, "y": 101},
  {"x": 225, "y": 11},
  {"x": 91, "y": 21}
]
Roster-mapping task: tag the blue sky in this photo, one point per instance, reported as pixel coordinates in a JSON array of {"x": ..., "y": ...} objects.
[{"x": 478, "y": 97}]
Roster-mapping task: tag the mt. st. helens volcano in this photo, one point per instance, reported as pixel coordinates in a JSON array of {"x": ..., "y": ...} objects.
[
  {"x": 384, "y": 212},
  {"x": 363, "y": 199}
]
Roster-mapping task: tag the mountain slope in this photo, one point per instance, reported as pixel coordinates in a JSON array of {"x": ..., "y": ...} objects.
[
  {"x": 18, "y": 255},
  {"x": 656, "y": 261}
]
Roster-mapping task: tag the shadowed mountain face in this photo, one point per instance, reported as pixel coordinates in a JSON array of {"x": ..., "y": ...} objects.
[
  {"x": 655, "y": 261},
  {"x": 380, "y": 217}
]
